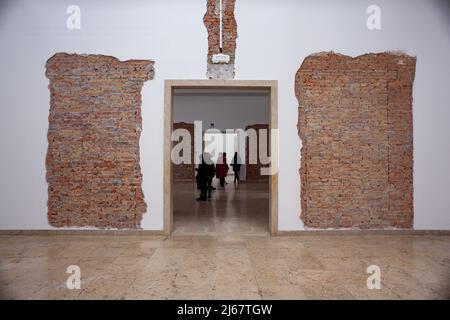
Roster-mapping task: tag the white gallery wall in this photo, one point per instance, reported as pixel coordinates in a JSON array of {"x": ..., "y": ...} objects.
[
  {"x": 225, "y": 111},
  {"x": 273, "y": 39}
]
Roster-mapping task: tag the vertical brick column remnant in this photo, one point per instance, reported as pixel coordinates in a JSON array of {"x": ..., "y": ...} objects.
[
  {"x": 229, "y": 34},
  {"x": 93, "y": 172},
  {"x": 355, "y": 122},
  {"x": 253, "y": 171},
  {"x": 184, "y": 171}
]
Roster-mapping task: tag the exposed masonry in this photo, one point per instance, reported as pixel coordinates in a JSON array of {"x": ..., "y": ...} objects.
[
  {"x": 355, "y": 122},
  {"x": 229, "y": 35},
  {"x": 93, "y": 172},
  {"x": 184, "y": 171},
  {"x": 253, "y": 171}
]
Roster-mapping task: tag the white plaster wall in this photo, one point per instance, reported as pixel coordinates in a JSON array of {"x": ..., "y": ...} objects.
[
  {"x": 226, "y": 111},
  {"x": 274, "y": 38}
]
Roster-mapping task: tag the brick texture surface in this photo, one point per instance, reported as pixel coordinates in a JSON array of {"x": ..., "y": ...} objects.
[
  {"x": 355, "y": 122},
  {"x": 185, "y": 171},
  {"x": 93, "y": 172},
  {"x": 211, "y": 21},
  {"x": 253, "y": 171}
]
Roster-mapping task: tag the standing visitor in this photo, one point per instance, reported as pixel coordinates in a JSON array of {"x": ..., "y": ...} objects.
[
  {"x": 202, "y": 178},
  {"x": 236, "y": 165},
  {"x": 222, "y": 169},
  {"x": 210, "y": 170}
]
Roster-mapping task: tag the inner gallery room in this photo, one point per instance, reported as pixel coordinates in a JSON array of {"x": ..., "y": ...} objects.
[{"x": 225, "y": 150}]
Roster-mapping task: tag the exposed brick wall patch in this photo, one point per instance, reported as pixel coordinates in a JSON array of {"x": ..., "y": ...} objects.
[
  {"x": 93, "y": 172},
  {"x": 229, "y": 35},
  {"x": 184, "y": 171},
  {"x": 355, "y": 122},
  {"x": 253, "y": 170}
]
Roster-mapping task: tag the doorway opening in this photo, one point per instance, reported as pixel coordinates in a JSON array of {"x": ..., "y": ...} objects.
[{"x": 221, "y": 117}]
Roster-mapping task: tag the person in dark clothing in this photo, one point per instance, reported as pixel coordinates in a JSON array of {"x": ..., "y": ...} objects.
[
  {"x": 236, "y": 165},
  {"x": 210, "y": 170},
  {"x": 222, "y": 169},
  {"x": 202, "y": 179},
  {"x": 197, "y": 177},
  {"x": 205, "y": 174}
]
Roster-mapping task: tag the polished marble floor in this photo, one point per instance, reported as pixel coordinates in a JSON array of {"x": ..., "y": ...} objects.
[
  {"x": 221, "y": 249},
  {"x": 225, "y": 266},
  {"x": 238, "y": 209}
]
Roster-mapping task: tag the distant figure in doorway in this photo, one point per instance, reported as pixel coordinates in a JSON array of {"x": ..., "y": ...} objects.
[
  {"x": 236, "y": 165},
  {"x": 205, "y": 174},
  {"x": 197, "y": 177},
  {"x": 210, "y": 170},
  {"x": 222, "y": 169},
  {"x": 202, "y": 178}
]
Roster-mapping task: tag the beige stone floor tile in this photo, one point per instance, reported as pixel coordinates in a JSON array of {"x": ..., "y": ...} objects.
[
  {"x": 237, "y": 293},
  {"x": 361, "y": 292},
  {"x": 226, "y": 266},
  {"x": 193, "y": 292},
  {"x": 107, "y": 288},
  {"x": 432, "y": 273},
  {"x": 266, "y": 276},
  {"x": 396, "y": 276},
  {"x": 196, "y": 276},
  {"x": 344, "y": 264},
  {"x": 283, "y": 292},
  {"x": 166, "y": 259},
  {"x": 137, "y": 251},
  {"x": 320, "y": 284},
  {"x": 234, "y": 275},
  {"x": 21, "y": 291},
  {"x": 153, "y": 285}
]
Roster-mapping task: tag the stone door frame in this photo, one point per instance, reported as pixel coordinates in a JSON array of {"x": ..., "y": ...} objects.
[{"x": 169, "y": 86}]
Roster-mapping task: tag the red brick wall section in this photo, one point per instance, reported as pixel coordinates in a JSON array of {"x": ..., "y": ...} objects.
[
  {"x": 185, "y": 171},
  {"x": 229, "y": 34},
  {"x": 355, "y": 122},
  {"x": 93, "y": 172},
  {"x": 253, "y": 171}
]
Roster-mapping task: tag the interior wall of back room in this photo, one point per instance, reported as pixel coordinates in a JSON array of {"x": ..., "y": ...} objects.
[
  {"x": 274, "y": 37},
  {"x": 225, "y": 111}
]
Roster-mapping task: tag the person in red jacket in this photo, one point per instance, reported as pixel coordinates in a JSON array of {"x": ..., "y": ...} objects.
[{"x": 222, "y": 169}]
